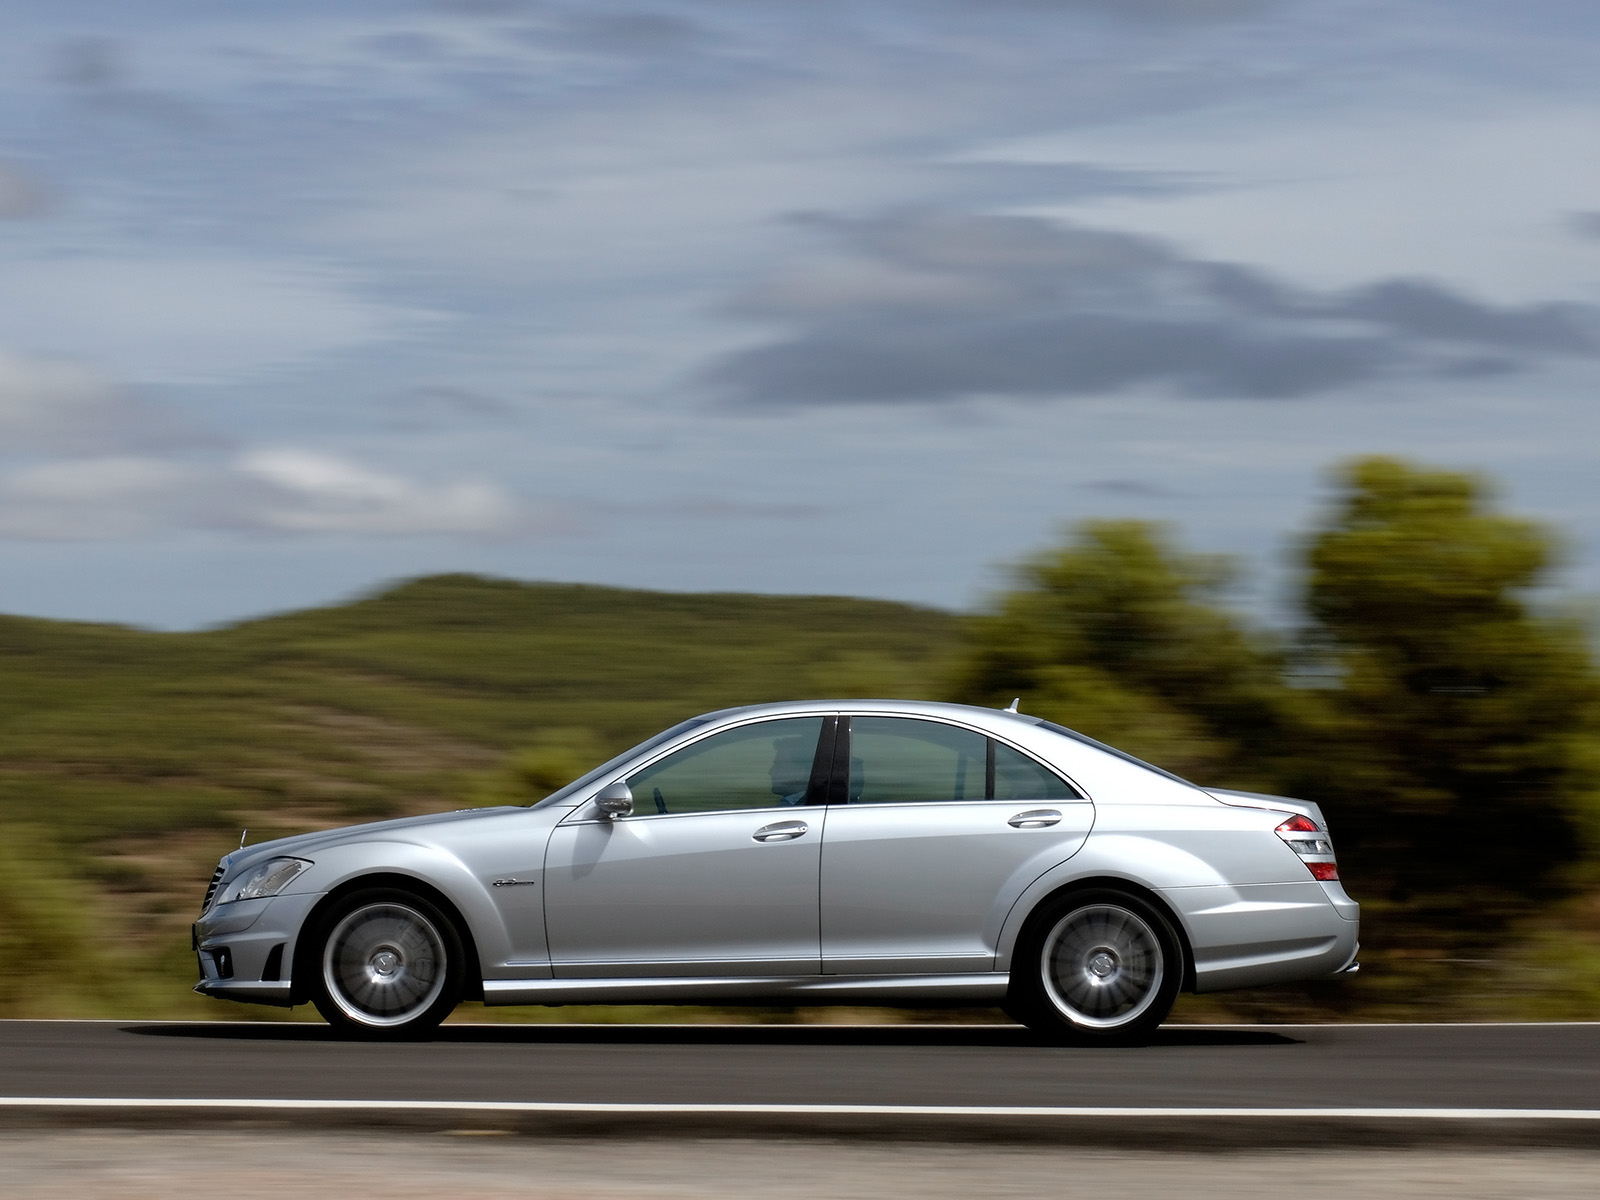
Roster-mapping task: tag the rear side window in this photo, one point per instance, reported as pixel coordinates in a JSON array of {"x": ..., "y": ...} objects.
[
  {"x": 1018, "y": 777},
  {"x": 904, "y": 760}
]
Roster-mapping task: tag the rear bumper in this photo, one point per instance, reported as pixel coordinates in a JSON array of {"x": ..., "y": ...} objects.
[{"x": 1266, "y": 933}]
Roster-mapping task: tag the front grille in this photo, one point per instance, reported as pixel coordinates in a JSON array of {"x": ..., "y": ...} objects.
[{"x": 211, "y": 888}]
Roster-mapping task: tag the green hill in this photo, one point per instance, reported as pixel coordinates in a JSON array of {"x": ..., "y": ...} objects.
[{"x": 130, "y": 760}]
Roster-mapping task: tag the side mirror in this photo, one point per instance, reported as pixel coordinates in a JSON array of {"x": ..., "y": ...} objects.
[{"x": 614, "y": 800}]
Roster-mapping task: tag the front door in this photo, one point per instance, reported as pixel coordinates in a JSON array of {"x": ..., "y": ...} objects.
[
  {"x": 714, "y": 873},
  {"x": 934, "y": 836}
]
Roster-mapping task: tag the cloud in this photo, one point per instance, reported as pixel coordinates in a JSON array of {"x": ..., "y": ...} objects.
[
  {"x": 480, "y": 8},
  {"x": 976, "y": 182},
  {"x": 98, "y": 69},
  {"x": 98, "y": 462},
  {"x": 90, "y": 498},
  {"x": 53, "y": 405},
  {"x": 21, "y": 195},
  {"x": 1132, "y": 489},
  {"x": 714, "y": 508},
  {"x": 1155, "y": 10},
  {"x": 926, "y": 306},
  {"x": 192, "y": 318},
  {"x": 279, "y": 491},
  {"x": 301, "y": 491},
  {"x": 407, "y": 45},
  {"x": 446, "y": 406},
  {"x": 1585, "y": 224},
  {"x": 91, "y": 62},
  {"x": 635, "y": 33},
  {"x": 1425, "y": 311}
]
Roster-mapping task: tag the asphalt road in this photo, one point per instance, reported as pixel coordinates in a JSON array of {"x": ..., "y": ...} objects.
[{"x": 1430, "y": 1066}]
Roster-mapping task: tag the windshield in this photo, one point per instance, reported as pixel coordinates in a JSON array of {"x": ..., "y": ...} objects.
[
  {"x": 1122, "y": 754},
  {"x": 583, "y": 781}
]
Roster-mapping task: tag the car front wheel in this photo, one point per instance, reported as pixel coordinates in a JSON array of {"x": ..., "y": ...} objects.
[
  {"x": 389, "y": 965},
  {"x": 1096, "y": 967}
]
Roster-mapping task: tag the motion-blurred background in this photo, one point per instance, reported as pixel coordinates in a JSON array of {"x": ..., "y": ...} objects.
[{"x": 1216, "y": 375}]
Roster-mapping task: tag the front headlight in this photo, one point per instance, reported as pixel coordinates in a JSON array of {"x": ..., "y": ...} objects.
[{"x": 268, "y": 879}]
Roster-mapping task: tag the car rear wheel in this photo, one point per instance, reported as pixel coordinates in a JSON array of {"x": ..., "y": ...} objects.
[
  {"x": 389, "y": 965},
  {"x": 1096, "y": 967}
]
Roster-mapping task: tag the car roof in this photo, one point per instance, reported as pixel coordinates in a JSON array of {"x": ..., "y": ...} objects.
[{"x": 970, "y": 713}]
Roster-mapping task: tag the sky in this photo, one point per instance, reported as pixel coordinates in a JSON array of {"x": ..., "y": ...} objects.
[{"x": 870, "y": 298}]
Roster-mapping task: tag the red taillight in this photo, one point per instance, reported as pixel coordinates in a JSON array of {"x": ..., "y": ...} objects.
[{"x": 1308, "y": 839}]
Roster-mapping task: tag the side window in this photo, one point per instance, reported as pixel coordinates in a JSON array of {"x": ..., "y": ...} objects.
[
  {"x": 764, "y": 765},
  {"x": 1018, "y": 777},
  {"x": 904, "y": 760}
]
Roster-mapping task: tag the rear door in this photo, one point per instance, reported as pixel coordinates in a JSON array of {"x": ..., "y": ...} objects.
[{"x": 933, "y": 831}]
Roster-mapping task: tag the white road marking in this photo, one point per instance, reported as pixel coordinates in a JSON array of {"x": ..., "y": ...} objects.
[{"x": 896, "y": 1110}]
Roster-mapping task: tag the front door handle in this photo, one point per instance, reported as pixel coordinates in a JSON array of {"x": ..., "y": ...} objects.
[
  {"x": 1035, "y": 818},
  {"x": 783, "y": 831}
]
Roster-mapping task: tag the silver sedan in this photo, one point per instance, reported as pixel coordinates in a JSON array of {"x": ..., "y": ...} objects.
[{"x": 847, "y": 852}]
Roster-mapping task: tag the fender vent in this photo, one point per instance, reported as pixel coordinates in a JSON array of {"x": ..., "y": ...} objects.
[{"x": 211, "y": 888}]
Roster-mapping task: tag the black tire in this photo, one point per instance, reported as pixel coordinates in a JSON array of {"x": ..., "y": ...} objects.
[
  {"x": 1099, "y": 967},
  {"x": 387, "y": 964}
]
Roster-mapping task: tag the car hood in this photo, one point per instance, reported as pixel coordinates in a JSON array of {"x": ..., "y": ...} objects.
[{"x": 304, "y": 845}]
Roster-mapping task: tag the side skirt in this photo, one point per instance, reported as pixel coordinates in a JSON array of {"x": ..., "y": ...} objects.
[{"x": 986, "y": 987}]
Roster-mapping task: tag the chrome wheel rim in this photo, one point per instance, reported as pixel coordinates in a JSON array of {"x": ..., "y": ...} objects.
[
  {"x": 1103, "y": 966},
  {"x": 384, "y": 964}
]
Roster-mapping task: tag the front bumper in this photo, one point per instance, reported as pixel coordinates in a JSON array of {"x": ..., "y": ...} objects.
[{"x": 246, "y": 948}]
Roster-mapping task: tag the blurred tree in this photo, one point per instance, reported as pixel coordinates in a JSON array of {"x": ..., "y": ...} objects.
[
  {"x": 556, "y": 758},
  {"x": 1459, "y": 715},
  {"x": 1118, "y": 634}
]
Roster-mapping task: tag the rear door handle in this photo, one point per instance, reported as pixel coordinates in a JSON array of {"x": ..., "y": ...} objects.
[
  {"x": 783, "y": 831},
  {"x": 1035, "y": 818}
]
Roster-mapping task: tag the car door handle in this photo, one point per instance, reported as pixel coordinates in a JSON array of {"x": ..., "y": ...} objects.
[
  {"x": 783, "y": 831},
  {"x": 1035, "y": 818}
]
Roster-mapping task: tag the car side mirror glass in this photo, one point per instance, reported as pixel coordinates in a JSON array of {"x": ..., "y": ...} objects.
[{"x": 614, "y": 800}]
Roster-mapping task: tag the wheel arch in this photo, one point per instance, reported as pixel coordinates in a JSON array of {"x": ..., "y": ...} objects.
[
  {"x": 1018, "y": 922},
  {"x": 303, "y": 968}
]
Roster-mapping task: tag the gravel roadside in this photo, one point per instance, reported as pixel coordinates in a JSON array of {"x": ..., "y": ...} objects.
[{"x": 271, "y": 1163}]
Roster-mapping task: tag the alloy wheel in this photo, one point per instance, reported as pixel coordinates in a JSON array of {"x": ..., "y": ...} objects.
[
  {"x": 1102, "y": 966},
  {"x": 384, "y": 965}
]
